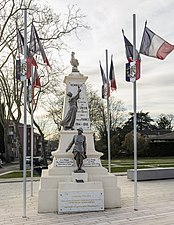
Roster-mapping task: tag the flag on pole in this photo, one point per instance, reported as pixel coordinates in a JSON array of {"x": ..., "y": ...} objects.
[
  {"x": 29, "y": 91},
  {"x": 18, "y": 69},
  {"x": 129, "y": 55},
  {"x": 105, "y": 85},
  {"x": 20, "y": 42},
  {"x": 35, "y": 46},
  {"x": 29, "y": 67},
  {"x": 36, "y": 79},
  {"x": 35, "y": 83},
  {"x": 20, "y": 50},
  {"x": 112, "y": 76},
  {"x": 30, "y": 61},
  {"x": 154, "y": 46},
  {"x": 103, "y": 74}
]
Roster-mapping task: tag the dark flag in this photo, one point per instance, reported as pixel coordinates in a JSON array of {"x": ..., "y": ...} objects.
[
  {"x": 20, "y": 49},
  {"x": 102, "y": 74},
  {"x": 129, "y": 55},
  {"x": 18, "y": 69},
  {"x": 36, "y": 45},
  {"x": 105, "y": 85},
  {"x": 112, "y": 76},
  {"x": 20, "y": 42}
]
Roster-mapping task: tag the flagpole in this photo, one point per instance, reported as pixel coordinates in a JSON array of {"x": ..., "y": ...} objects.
[
  {"x": 108, "y": 116},
  {"x": 25, "y": 117},
  {"x": 32, "y": 132},
  {"x": 135, "y": 118}
]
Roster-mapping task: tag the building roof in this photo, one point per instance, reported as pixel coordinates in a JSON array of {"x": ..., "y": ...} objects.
[{"x": 167, "y": 136}]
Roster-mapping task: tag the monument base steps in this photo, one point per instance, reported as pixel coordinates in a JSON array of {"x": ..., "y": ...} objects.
[{"x": 65, "y": 193}]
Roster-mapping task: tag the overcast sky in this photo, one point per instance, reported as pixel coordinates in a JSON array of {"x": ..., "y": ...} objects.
[{"x": 155, "y": 89}]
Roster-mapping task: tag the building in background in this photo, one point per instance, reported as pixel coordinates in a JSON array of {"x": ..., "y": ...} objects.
[{"x": 37, "y": 147}]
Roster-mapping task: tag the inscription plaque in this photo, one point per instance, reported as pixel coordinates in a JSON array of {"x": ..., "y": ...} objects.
[
  {"x": 92, "y": 162},
  {"x": 80, "y": 201},
  {"x": 64, "y": 162}
]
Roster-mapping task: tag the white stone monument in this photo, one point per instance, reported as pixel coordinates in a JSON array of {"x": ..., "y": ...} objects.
[{"x": 63, "y": 191}]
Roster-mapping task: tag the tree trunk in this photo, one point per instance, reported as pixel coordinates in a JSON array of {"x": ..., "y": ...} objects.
[
  {"x": 7, "y": 153},
  {"x": 44, "y": 150},
  {"x": 18, "y": 144},
  {"x": 43, "y": 144}
]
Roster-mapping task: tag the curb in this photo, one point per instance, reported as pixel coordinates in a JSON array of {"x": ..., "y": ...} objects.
[{"x": 17, "y": 180}]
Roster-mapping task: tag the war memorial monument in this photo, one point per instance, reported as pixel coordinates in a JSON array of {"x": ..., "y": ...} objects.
[{"x": 76, "y": 181}]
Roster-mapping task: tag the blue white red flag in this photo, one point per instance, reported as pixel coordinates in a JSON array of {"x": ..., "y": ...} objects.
[
  {"x": 129, "y": 55},
  {"x": 112, "y": 76},
  {"x": 105, "y": 85},
  {"x": 154, "y": 46},
  {"x": 36, "y": 45}
]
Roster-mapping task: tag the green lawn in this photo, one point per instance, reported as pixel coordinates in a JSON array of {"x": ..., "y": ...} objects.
[
  {"x": 122, "y": 165},
  {"x": 15, "y": 174},
  {"x": 117, "y": 165}
]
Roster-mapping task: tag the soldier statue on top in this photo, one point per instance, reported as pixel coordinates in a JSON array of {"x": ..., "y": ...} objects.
[{"x": 74, "y": 62}]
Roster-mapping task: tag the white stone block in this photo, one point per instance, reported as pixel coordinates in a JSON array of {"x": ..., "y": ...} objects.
[
  {"x": 80, "y": 197},
  {"x": 108, "y": 180},
  {"x": 47, "y": 200},
  {"x": 112, "y": 198},
  {"x": 80, "y": 186},
  {"x": 111, "y": 191},
  {"x": 79, "y": 176},
  {"x": 51, "y": 182},
  {"x": 151, "y": 173}
]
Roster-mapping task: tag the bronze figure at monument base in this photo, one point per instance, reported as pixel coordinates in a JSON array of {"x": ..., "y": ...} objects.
[{"x": 79, "y": 150}]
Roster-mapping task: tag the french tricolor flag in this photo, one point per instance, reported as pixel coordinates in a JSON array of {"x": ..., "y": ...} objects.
[
  {"x": 154, "y": 46},
  {"x": 112, "y": 76}
]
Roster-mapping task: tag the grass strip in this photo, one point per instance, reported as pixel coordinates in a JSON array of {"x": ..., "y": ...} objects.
[{"x": 16, "y": 174}]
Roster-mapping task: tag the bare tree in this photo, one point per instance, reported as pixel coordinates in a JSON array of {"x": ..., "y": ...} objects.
[
  {"x": 52, "y": 29},
  {"x": 55, "y": 109}
]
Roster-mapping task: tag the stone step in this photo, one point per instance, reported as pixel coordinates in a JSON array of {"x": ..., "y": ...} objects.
[{"x": 151, "y": 174}]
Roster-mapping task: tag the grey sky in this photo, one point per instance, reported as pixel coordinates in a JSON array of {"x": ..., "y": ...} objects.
[{"x": 107, "y": 18}]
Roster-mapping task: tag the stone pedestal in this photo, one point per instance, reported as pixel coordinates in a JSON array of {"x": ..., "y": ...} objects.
[
  {"x": 80, "y": 195},
  {"x": 59, "y": 177}
]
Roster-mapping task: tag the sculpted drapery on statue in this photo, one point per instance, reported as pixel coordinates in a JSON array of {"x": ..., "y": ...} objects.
[{"x": 68, "y": 121}]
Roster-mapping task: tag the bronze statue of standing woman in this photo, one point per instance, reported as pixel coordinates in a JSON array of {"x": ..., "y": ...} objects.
[{"x": 69, "y": 120}]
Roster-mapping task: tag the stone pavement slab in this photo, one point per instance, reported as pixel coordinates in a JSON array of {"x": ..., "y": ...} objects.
[{"x": 155, "y": 199}]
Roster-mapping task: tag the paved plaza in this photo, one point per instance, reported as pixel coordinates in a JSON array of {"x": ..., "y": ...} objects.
[{"x": 155, "y": 200}]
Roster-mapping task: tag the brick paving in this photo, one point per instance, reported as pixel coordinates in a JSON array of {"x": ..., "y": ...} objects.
[{"x": 155, "y": 200}]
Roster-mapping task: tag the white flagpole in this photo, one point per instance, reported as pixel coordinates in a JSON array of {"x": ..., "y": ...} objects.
[
  {"x": 108, "y": 116},
  {"x": 135, "y": 118},
  {"x": 25, "y": 117},
  {"x": 32, "y": 133}
]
